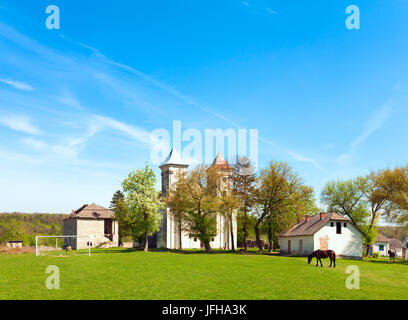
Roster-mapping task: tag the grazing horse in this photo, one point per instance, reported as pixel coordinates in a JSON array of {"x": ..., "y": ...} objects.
[
  {"x": 392, "y": 255},
  {"x": 319, "y": 254}
]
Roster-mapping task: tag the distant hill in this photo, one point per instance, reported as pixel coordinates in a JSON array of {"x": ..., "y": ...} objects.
[
  {"x": 393, "y": 232},
  {"x": 24, "y": 226}
]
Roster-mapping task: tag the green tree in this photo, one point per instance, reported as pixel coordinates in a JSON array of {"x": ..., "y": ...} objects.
[
  {"x": 348, "y": 198},
  {"x": 197, "y": 198},
  {"x": 395, "y": 183},
  {"x": 243, "y": 186},
  {"x": 122, "y": 216},
  {"x": 364, "y": 200},
  {"x": 117, "y": 196},
  {"x": 143, "y": 203},
  {"x": 278, "y": 189},
  {"x": 14, "y": 230}
]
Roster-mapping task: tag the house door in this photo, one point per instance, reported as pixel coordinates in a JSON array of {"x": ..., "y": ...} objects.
[
  {"x": 300, "y": 246},
  {"x": 289, "y": 246},
  {"x": 108, "y": 229},
  {"x": 324, "y": 243}
]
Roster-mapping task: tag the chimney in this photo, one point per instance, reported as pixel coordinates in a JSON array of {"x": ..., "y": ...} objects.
[
  {"x": 298, "y": 220},
  {"x": 307, "y": 217},
  {"x": 321, "y": 215}
]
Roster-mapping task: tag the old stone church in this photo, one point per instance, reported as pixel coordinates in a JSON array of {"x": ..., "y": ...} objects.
[{"x": 169, "y": 235}]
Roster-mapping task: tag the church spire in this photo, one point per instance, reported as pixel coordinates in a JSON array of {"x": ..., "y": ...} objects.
[
  {"x": 220, "y": 162},
  {"x": 173, "y": 159}
]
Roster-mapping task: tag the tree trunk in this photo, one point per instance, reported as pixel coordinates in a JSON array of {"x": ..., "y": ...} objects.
[
  {"x": 275, "y": 242},
  {"x": 368, "y": 247},
  {"x": 270, "y": 236},
  {"x": 232, "y": 234},
  {"x": 245, "y": 232},
  {"x": 146, "y": 246},
  {"x": 207, "y": 246},
  {"x": 258, "y": 237}
]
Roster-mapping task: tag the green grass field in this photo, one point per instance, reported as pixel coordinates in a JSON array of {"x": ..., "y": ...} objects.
[{"x": 126, "y": 274}]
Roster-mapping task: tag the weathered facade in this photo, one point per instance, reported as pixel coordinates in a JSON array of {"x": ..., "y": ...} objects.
[
  {"x": 91, "y": 222},
  {"x": 329, "y": 231},
  {"x": 169, "y": 235},
  {"x": 381, "y": 245}
]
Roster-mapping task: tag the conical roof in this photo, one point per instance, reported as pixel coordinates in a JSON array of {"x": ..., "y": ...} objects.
[
  {"x": 220, "y": 162},
  {"x": 173, "y": 159}
]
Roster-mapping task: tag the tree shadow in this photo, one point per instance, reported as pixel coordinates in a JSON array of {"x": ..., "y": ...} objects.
[{"x": 401, "y": 262}]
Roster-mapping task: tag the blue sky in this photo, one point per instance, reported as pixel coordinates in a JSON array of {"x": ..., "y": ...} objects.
[{"x": 77, "y": 105}]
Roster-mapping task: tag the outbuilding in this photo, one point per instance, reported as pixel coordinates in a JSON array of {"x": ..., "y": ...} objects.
[{"x": 323, "y": 231}]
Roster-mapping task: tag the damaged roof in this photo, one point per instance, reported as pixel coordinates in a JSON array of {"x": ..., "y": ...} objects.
[
  {"x": 314, "y": 224},
  {"x": 91, "y": 211}
]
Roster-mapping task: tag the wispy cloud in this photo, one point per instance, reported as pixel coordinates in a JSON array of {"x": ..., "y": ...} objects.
[
  {"x": 376, "y": 120},
  {"x": 258, "y": 7},
  {"x": 17, "y": 84},
  {"x": 192, "y": 102},
  {"x": 19, "y": 123},
  {"x": 70, "y": 147},
  {"x": 68, "y": 99},
  {"x": 110, "y": 79}
]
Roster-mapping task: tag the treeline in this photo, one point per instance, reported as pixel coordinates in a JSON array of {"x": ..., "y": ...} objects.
[
  {"x": 366, "y": 200},
  {"x": 267, "y": 203},
  {"x": 23, "y": 226}
]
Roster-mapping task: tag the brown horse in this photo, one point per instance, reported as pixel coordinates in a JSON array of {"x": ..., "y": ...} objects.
[
  {"x": 319, "y": 254},
  {"x": 392, "y": 255}
]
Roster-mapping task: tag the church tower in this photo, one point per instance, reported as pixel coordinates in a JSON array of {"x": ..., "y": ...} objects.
[
  {"x": 168, "y": 236},
  {"x": 169, "y": 168}
]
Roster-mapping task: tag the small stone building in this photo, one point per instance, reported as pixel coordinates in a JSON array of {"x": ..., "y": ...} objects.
[{"x": 94, "y": 221}]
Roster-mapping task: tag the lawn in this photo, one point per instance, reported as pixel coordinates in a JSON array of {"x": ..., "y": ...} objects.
[{"x": 127, "y": 274}]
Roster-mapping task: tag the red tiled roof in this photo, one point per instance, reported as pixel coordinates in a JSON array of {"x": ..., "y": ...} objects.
[{"x": 220, "y": 162}]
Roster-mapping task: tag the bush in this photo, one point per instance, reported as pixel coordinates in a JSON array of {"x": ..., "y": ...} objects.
[{"x": 375, "y": 255}]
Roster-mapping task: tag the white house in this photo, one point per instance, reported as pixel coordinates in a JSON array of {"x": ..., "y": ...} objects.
[
  {"x": 329, "y": 231},
  {"x": 169, "y": 235},
  {"x": 381, "y": 245},
  {"x": 91, "y": 221}
]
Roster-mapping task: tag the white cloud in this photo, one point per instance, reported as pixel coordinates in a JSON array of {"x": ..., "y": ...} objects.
[
  {"x": 19, "y": 123},
  {"x": 139, "y": 134},
  {"x": 271, "y": 11},
  {"x": 376, "y": 120},
  {"x": 69, "y": 100},
  {"x": 17, "y": 84}
]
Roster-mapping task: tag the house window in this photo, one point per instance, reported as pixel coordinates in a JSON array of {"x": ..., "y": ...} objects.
[
  {"x": 345, "y": 225},
  {"x": 338, "y": 227},
  {"x": 331, "y": 224},
  {"x": 195, "y": 239},
  {"x": 381, "y": 247},
  {"x": 212, "y": 239}
]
